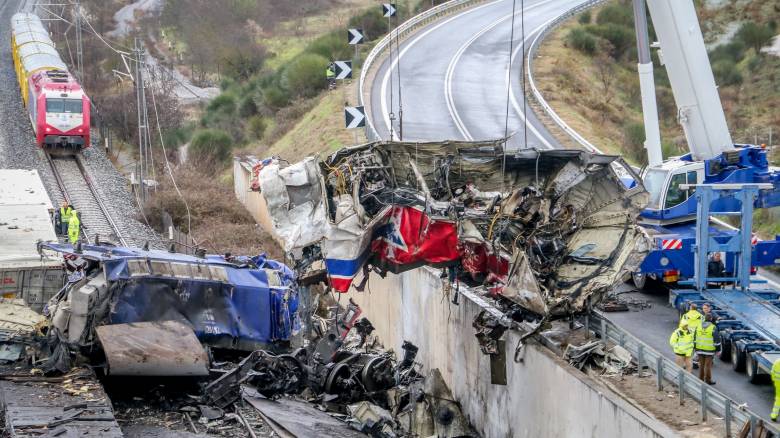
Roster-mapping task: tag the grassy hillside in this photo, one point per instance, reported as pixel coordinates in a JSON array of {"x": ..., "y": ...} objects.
[{"x": 587, "y": 71}]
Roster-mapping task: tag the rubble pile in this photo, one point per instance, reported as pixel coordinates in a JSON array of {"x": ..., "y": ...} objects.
[{"x": 546, "y": 230}]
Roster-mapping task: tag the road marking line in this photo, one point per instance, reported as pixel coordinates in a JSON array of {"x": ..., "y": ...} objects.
[
  {"x": 386, "y": 78},
  {"x": 454, "y": 114}
]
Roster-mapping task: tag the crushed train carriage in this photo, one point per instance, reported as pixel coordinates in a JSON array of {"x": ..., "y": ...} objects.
[
  {"x": 142, "y": 306},
  {"x": 544, "y": 229}
]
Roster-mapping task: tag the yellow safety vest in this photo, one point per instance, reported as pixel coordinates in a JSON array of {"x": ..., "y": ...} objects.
[
  {"x": 705, "y": 338},
  {"x": 693, "y": 318},
  {"x": 65, "y": 214},
  {"x": 776, "y": 372},
  {"x": 74, "y": 226},
  {"x": 682, "y": 342}
]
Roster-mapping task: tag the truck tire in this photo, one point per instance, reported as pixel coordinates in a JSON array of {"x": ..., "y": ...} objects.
[
  {"x": 725, "y": 348},
  {"x": 737, "y": 359},
  {"x": 751, "y": 369}
]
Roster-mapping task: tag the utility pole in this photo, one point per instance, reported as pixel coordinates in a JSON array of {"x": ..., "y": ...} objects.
[
  {"x": 79, "y": 45},
  {"x": 141, "y": 106}
]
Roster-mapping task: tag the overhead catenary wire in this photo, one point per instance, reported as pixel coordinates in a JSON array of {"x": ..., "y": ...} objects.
[
  {"x": 168, "y": 164},
  {"x": 508, "y": 91}
]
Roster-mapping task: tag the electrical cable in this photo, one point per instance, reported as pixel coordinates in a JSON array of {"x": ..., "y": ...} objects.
[
  {"x": 522, "y": 72},
  {"x": 168, "y": 166},
  {"x": 508, "y": 90},
  {"x": 400, "y": 98},
  {"x": 391, "y": 115}
]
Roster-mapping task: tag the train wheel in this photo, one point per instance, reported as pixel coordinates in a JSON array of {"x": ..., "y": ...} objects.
[{"x": 737, "y": 359}]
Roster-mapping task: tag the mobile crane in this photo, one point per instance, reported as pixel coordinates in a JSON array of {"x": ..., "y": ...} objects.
[{"x": 670, "y": 216}]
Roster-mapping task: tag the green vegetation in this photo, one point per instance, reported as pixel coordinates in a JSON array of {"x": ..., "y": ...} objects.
[
  {"x": 210, "y": 145},
  {"x": 604, "y": 48}
]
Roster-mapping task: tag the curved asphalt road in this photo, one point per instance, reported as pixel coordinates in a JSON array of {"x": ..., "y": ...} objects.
[
  {"x": 454, "y": 77},
  {"x": 454, "y": 87}
]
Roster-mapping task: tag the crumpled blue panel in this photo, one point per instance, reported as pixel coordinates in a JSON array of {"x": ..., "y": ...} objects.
[
  {"x": 247, "y": 312},
  {"x": 222, "y": 315}
]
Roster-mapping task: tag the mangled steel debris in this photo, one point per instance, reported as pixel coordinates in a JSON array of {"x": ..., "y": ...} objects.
[
  {"x": 160, "y": 301},
  {"x": 547, "y": 230}
]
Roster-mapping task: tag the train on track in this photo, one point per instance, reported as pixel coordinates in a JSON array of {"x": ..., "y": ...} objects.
[{"x": 58, "y": 108}]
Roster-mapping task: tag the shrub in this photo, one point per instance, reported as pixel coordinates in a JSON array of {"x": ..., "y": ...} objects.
[
  {"x": 225, "y": 103},
  {"x": 726, "y": 72},
  {"x": 754, "y": 35},
  {"x": 585, "y": 18},
  {"x": 332, "y": 46},
  {"x": 372, "y": 22},
  {"x": 620, "y": 37},
  {"x": 247, "y": 107},
  {"x": 733, "y": 51},
  {"x": 621, "y": 15},
  {"x": 305, "y": 75},
  {"x": 581, "y": 40},
  {"x": 256, "y": 127},
  {"x": 274, "y": 96},
  {"x": 211, "y": 145}
]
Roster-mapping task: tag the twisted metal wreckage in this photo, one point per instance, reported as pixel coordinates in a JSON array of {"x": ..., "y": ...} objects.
[{"x": 546, "y": 230}]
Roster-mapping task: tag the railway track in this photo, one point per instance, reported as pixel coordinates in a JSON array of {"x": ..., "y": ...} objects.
[{"x": 79, "y": 190}]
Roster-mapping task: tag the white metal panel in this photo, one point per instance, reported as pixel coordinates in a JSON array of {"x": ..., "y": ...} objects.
[
  {"x": 693, "y": 84},
  {"x": 32, "y": 37},
  {"x": 24, "y": 217}
]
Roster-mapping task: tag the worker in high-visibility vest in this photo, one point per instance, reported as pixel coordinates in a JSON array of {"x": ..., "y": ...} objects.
[
  {"x": 776, "y": 382},
  {"x": 707, "y": 343},
  {"x": 65, "y": 211},
  {"x": 693, "y": 317},
  {"x": 682, "y": 344},
  {"x": 74, "y": 227}
]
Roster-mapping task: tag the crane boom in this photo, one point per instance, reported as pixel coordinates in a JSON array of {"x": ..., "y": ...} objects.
[{"x": 685, "y": 57}]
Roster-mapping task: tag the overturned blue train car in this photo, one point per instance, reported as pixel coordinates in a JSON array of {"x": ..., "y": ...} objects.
[{"x": 156, "y": 302}]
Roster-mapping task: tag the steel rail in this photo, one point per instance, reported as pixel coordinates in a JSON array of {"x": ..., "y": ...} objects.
[{"x": 97, "y": 200}]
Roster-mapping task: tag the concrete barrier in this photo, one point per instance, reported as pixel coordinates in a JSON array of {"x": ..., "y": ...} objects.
[{"x": 544, "y": 396}]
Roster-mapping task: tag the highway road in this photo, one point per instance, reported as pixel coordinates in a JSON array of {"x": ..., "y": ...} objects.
[
  {"x": 454, "y": 86},
  {"x": 454, "y": 77}
]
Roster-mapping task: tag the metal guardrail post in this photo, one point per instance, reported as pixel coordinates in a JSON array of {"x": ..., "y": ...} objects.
[
  {"x": 703, "y": 402},
  {"x": 753, "y": 426},
  {"x": 659, "y": 373},
  {"x": 640, "y": 356},
  {"x": 727, "y": 418},
  {"x": 681, "y": 385}
]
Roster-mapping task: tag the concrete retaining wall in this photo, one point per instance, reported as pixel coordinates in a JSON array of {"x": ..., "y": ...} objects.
[{"x": 544, "y": 397}]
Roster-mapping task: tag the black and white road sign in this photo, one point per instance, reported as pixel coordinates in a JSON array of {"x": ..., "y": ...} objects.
[
  {"x": 343, "y": 69},
  {"x": 388, "y": 9},
  {"x": 355, "y": 36},
  {"x": 355, "y": 117}
]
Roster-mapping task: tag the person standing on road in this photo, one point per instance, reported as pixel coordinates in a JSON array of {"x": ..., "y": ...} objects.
[
  {"x": 776, "y": 382},
  {"x": 65, "y": 212},
  {"x": 682, "y": 344},
  {"x": 692, "y": 317},
  {"x": 715, "y": 269},
  {"x": 706, "y": 342},
  {"x": 74, "y": 227}
]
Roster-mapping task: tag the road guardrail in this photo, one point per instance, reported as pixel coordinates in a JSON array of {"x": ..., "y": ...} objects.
[
  {"x": 666, "y": 371},
  {"x": 533, "y": 48}
]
